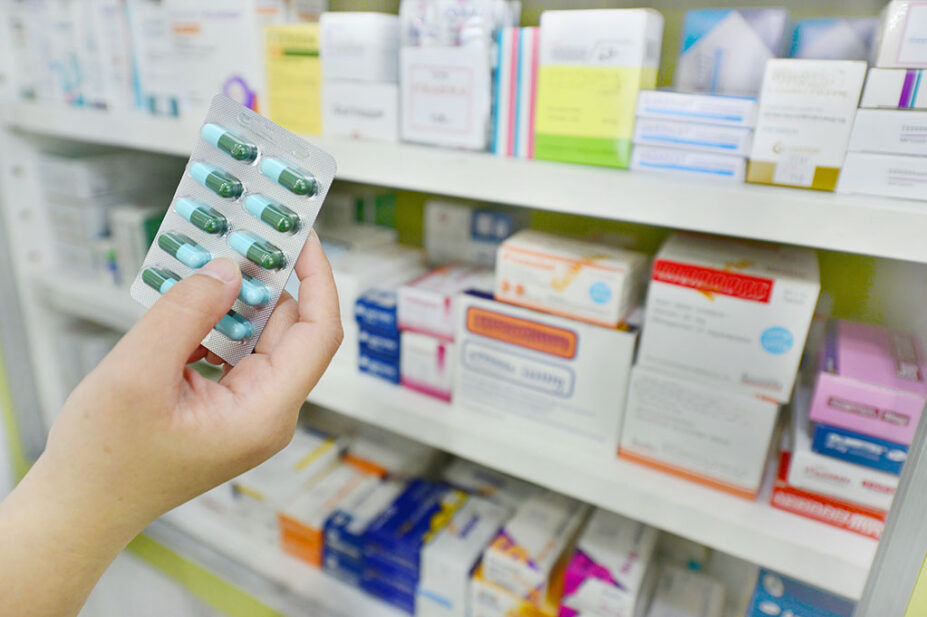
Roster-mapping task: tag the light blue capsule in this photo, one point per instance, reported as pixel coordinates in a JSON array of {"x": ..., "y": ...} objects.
[
  {"x": 167, "y": 285},
  {"x": 234, "y": 326},
  {"x": 253, "y": 293}
]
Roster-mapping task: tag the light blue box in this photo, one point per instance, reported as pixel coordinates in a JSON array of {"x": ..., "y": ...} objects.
[
  {"x": 779, "y": 595},
  {"x": 834, "y": 38}
]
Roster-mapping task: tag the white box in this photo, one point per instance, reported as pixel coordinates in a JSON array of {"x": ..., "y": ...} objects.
[
  {"x": 739, "y": 579},
  {"x": 90, "y": 173},
  {"x": 688, "y": 135},
  {"x": 544, "y": 375},
  {"x": 581, "y": 280},
  {"x": 488, "y": 483},
  {"x": 447, "y": 560},
  {"x": 724, "y": 50},
  {"x": 428, "y": 304},
  {"x": 157, "y": 83},
  {"x": 456, "y": 231},
  {"x": 806, "y": 114},
  {"x": 114, "y": 47},
  {"x": 620, "y": 548},
  {"x": 360, "y": 110},
  {"x": 834, "y": 38},
  {"x": 677, "y": 161},
  {"x": 695, "y": 107},
  {"x": 884, "y": 175},
  {"x": 701, "y": 431},
  {"x": 732, "y": 311},
  {"x": 446, "y": 96},
  {"x": 487, "y": 599},
  {"x": 685, "y": 593},
  {"x": 894, "y": 89},
  {"x": 426, "y": 364},
  {"x": 890, "y": 131},
  {"x": 903, "y": 36},
  {"x": 358, "y": 46},
  {"x": 389, "y": 455},
  {"x": 526, "y": 553},
  {"x": 825, "y": 475}
]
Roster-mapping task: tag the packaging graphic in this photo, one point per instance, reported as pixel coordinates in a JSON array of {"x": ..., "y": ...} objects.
[
  {"x": 665, "y": 160},
  {"x": 385, "y": 344},
  {"x": 711, "y": 138},
  {"x": 458, "y": 231},
  {"x": 559, "y": 378},
  {"x": 859, "y": 449},
  {"x": 379, "y": 366},
  {"x": 732, "y": 311},
  {"x": 699, "y": 431},
  {"x": 779, "y": 595},
  {"x": 894, "y": 89},
  {"x": 361, "y": 110},
  {"x": 592, "y": 65},
  {"x": 890, "y": 131},
  {"x": 427, "y": 364},
  {"x": 724, "y": 51},
  {"x": 428, "y": 304},
  {"x": 697, "y": 107},
  {"x": 294, "y": 77},
  {"x": 358, "y": 268},
  {"x": 581, "y": 280},
  {"x": 884, "y": 175},
  {"x": 872, "y": 381},
  {"x": 376, "y": 310},
  {"x": 903, "y": 37},
  {"x": 806, "y": 114},
  {"x": 836, "y": 38},
  {"x": 612, "y": 572},
  {"x": 515, "y": 85}
]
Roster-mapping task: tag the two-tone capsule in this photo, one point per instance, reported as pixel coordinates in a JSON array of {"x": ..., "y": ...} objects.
[
  {"x": 229, "y": 142},
  {"x": 274, "y": 213},
  {"x": 253, "y": 292},
  {"x": 184, "y": 250},
  {"x": 257, "y": 249},
  {"x": 289, "y": 177},
  {"x": 202, "y": 216},
  {"x": 160, "y": 279},
  {"x": 217, "y": 180},
  {"x": 234, "y": 326}
]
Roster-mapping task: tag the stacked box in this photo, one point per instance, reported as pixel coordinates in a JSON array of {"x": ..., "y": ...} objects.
[
  {"x": 488, "y": 483},
  {"x": 388, "y": 455},
  {"x": 471, "y": 234},
  {"x": 515, "y": 86},
  {"x": 779, "y": 595},
  {"x": 294, "y": 77},
  {"x": 834, "y": 38},
  {"x": 686, "y": 593},
  {"x": 378, "y": 334}
]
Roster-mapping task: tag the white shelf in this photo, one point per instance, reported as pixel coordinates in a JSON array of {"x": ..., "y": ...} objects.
[
  {"x": 865, "y": 225},
  {"x": 259, "y": 569},
  {"x": 824, "y": 556}
]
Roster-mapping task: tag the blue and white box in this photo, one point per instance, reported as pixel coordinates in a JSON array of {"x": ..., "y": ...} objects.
[
  {"x": 379, "y": 366},
  {"x": 778, "y": 595},
  {"x": 376, "y": 310},
  {"x": 694, "y": 136},
  {"x": 859, "y": 448},
  {"x": 724, "y": 51},
  {"x": 384, "y": 344},
  {"x": 737, "y": 111},
  {"x": 691, "y": 163},
  {"x": 834, "y": 38}
]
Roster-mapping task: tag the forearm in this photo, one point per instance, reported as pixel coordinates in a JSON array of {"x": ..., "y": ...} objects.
[{"x": 56, "y": 540}]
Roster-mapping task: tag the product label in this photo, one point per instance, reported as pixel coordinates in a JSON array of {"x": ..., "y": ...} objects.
[
  {"x": 912, "y": 51},
  {"x": 522, "y": 332},
  {"x": 294, "y": 77},
  {"x": 710, "y": 281}
]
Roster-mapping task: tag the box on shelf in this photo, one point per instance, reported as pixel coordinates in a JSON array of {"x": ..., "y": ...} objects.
[
  {"x": 723, "y": 51},
  {"x": 294, "y": 77},
  {"x": 305, "y": 10},
  {"x": 529, "y": 555},
  {"x": 376, "y": 310},
  {"x": 542, "y": 374},
  {"x": 780, "y": 595},
  {"x": 359, "y": 269},
  {"x": 488, "y": 483},
  {"x": 732, "y": 111},
  {"x": 698, "y": 430},
  {"x": 675, "y": 160},
  {"x": 515, "y": 84},
  {"x": 133, "y": 228},
  {"x": 683, "y": 552},
  {"x": 890, "y": 131},
  {"x": 488, "y": 599},
  {"x": 428, "y": 304},
  {"x": 105, "y": 175},
  {"x": 361, "y": 110},
  {"x": 448, "y": 560},
  {"x": 157, "y": 90},
  {"x": 360, "y": 47},
  {"x": 90, "y": 259},
  {"x": 894, "y": 89},
  {"x": 903, "y": 36},
  {"x": 302, "y": 521},
  {"x": 592, "y": 65},
  {"x": 819, "y": 473},
  {"x": 427, "y": 364},
  {"x": 711, "y": 138},
  {"x": 612, "y": 572},
  {"x": 871, "y": 380},
  {"x": 379, "y": 366},
  {"x": 732, "y": 311},
  {"x": 573, "y": 278},
  {"x": 859, "y": 449},
  {"x": 834, "y": 38},
  {"x": 739, "y": 579},
  {"x": 686, "y": 593},
  {"x": 806, "y": 114},
  {"x": 384, "y": 454},
  {"x": 884, "y": 175},
  {"x": 385, "y": 344},
  {"x": 471, "y": 234}
]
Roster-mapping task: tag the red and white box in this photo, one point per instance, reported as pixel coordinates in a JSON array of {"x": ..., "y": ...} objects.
[{"x": 427, "y": 305}]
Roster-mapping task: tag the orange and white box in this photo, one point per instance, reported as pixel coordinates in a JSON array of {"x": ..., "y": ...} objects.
[
  {"x": 699, "y": 431},
  {"x": 730, "y": 311},
  {"x": 302, "y": 522},
  {"x": 388, "y": 455},
  {"x": 590, "y": 282}
]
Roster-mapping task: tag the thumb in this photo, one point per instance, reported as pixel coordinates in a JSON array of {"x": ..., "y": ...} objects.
[{"x": 175, "y": 325}]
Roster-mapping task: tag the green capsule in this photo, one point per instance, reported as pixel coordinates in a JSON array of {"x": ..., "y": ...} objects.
[
  {"x": 185, "y": 250},
  {"x": 202, "y": 216},
  {"x": 216, "y": 180},
  {"x": 272, "y": 212},
  {"x": 232, "y": 144},
  {"x": 289, "y": 177},
  {"x": 257, "y": 250},
  {"x": 160, "y": 279}
]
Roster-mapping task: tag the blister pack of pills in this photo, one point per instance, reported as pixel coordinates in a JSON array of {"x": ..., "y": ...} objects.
[{"x": 251, "y": 192}]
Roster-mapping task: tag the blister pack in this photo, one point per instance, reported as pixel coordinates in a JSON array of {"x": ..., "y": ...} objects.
[{"x": 251, "y": 191}]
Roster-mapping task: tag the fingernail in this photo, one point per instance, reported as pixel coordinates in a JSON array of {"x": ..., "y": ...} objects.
[{"x": 222, "y": 269}]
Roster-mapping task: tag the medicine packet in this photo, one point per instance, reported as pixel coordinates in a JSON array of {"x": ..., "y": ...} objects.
[{"x": 251, "y": 191}]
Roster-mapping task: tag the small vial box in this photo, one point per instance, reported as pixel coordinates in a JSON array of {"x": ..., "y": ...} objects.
[
  {"x": 675, "y": 160},
  {"x": 428, "y": 304},
  {"x": 722, "y": 110},
  {"x": 859, "y": 449},
  {"x": 894, "y": 89},
  {"x": 903, "y": 37}
]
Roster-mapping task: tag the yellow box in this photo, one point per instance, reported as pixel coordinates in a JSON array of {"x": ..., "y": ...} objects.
[{"x": 294, "y": 77}]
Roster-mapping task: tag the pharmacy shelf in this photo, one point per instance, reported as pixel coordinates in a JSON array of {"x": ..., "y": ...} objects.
[
  {"x": 864, "y": 225},
  {"x": 821, "y": 555},
  {"x": 258, "y": 568}
]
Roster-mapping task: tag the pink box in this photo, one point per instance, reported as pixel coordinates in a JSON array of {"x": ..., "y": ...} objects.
[{"x": 871, "y": 380}]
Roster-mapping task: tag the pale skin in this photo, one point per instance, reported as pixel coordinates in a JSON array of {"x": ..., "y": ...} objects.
[{"x": 144, "y": 432}]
